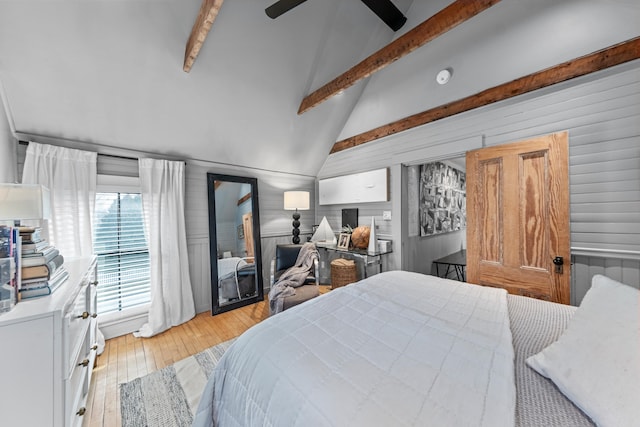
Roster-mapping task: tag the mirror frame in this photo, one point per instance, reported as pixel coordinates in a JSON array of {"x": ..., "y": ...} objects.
[{"x": 216, "y": 308}]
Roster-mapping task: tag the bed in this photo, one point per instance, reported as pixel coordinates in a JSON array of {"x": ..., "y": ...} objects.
[{"x": 398, "y": 348}]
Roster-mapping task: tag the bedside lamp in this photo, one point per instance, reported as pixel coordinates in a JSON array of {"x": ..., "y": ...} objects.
[
  {"x": 294, "y": 200},
  {"x": 24, "y": 201}
]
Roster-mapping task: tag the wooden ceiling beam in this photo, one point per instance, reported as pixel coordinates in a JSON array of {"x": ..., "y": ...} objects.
[
  {"x": 451, "y": 16},
  {"x": 600, "y": 60},
  {"x": 208, "y": 12}
]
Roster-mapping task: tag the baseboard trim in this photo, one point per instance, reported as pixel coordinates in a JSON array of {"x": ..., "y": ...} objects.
[{"x": 117, "y": 328}]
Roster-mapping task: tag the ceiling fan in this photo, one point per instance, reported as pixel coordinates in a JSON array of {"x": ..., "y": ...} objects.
[{"x": 385, "y": 10}]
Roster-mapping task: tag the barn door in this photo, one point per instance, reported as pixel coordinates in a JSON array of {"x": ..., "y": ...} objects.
[{"x": 518, "y": 217}]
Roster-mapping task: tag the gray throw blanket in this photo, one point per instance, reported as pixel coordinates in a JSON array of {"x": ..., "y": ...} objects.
[{"x": 293, "y": 277}]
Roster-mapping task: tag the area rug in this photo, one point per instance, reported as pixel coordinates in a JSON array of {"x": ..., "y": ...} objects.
[{"x": 169, "y": 397}]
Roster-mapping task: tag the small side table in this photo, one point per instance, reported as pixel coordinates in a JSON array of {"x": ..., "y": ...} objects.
[{"x": 457, "y": 260}]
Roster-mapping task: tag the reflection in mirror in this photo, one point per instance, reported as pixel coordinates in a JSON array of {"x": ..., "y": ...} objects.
[{"x": 234, "y": 242}]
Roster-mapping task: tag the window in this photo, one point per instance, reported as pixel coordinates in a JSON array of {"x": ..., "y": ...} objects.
[{"x": 121, "y": 248}]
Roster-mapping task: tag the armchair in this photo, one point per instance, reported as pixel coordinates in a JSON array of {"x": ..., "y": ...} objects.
[{"x": 286, "y": 256}]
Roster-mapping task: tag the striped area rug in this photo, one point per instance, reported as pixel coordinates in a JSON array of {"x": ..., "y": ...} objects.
[{"x": 169, "y": 397}]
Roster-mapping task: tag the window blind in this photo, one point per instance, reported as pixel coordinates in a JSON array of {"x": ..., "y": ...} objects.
[{"x": 121, "y": 248}]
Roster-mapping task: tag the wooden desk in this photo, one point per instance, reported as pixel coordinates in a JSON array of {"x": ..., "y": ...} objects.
[{"x": 456, "y": 260}]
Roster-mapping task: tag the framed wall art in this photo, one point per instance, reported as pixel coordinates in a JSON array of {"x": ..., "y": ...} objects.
[{"x": 443, "y": 199}]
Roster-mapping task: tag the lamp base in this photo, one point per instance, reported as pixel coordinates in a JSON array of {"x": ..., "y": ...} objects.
[{"x": 296, "y": 230}]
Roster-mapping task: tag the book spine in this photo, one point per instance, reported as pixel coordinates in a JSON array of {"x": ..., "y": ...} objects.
[
  {"x": 55, "y": 263},
  {"x": 33, "y": 293},
  {"x": 34, "y": 272}
]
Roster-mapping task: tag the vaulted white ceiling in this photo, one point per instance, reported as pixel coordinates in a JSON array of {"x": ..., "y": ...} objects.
[{"x": 110, "y": 71}]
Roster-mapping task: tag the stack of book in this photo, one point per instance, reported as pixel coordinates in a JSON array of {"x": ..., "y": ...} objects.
[{"x": 42, "y": 269}]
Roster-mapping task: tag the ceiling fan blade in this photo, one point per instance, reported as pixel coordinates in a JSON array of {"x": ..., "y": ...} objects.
[
  {"x": 282, "y": 6},
  {"x": 388, "y": 12}
]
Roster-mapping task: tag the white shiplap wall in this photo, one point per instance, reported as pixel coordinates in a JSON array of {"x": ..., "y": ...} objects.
[{"x": 601, "y": 112}]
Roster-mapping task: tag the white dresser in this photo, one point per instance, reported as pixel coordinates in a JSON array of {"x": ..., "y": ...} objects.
[{"x": 47, "y": 353}]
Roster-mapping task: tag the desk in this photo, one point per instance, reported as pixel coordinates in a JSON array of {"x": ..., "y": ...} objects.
[
  {"x": 456, "y": 260},
  {"x": 363, "y": 260}
]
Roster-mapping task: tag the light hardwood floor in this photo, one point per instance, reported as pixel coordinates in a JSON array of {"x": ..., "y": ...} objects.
[{"x": 126, "y": 357}]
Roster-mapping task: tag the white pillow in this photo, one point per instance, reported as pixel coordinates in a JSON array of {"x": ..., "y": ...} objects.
[{"x": 596, "y": 361}]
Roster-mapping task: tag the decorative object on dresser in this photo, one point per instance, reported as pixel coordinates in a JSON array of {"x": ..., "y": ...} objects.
[
  {"x": 37, "y": 287},
  {"x": 324, "y": 233},
  {"x": 360, "y": 237},
  {"x": 372, "y": 247},
  {"x": 296, "y": 200},
  {"x": 19, "y": 202},
  {"x": 52, "y": 341},
  {"x": 42, "y": 269},
  {"x": 343, "y": 241}
]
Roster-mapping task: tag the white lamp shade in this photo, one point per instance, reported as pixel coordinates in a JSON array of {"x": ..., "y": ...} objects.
[
  {"x": 24, "y": 201},
  {"x": 296, "y": 200}
]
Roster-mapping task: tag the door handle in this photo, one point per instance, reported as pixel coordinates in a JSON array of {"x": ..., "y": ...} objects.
[{"x": 558, "y": 262}]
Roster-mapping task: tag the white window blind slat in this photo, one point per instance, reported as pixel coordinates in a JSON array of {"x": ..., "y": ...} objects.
[{"x": 123, "y": 255}]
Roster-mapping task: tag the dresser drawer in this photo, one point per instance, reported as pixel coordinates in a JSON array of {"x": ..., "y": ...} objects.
[
  {"x": 76, "y": 386},
  {"x": 75, "y": 326}
]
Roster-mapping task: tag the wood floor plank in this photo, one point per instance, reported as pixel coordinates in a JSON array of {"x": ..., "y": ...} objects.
[{"x": 127, "y": 357}]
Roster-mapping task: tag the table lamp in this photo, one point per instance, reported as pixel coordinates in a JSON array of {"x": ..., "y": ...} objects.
[
  {"x": 24, "y": 202},
  {"x": 296, "y": 200}
]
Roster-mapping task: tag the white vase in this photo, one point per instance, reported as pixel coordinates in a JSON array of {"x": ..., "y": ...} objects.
[{"x": 373, "y": 239}]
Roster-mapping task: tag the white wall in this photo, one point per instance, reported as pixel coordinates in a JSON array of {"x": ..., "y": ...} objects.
[
  {"x": 7, "y": 144},
  {"x": 601, "y": 112}
]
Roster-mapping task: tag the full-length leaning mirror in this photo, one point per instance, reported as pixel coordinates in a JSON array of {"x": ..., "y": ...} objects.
[{"x": 234, "y": 242}]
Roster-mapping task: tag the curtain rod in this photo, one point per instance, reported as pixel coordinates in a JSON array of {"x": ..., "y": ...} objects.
[{"x": 99, "y": 154}]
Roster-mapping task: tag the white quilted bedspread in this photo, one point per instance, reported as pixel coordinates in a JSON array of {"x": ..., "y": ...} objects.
[{"x": 396, "y": 349}]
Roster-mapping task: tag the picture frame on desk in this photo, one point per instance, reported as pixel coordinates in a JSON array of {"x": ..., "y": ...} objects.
[{"x": 343, "y": 241}]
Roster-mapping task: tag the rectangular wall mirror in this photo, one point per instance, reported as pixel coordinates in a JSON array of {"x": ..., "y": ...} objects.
[{"x": 234, "y": 242}]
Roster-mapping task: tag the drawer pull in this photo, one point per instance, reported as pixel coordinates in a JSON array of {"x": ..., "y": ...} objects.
[
  {"x": 81, "y": 411},
  {"x": 94, "y": 283},
  {"x": 94, "y": 347},
  {"x": 94, "y": 315},
  {"x": 84, "y": 363},
  {"x": 84, "y": 315}
]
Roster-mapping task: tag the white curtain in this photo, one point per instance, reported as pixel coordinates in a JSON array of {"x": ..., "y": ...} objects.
[
  {"x": 70, "y": 175},
  {"x": 163, "y": 185}
]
